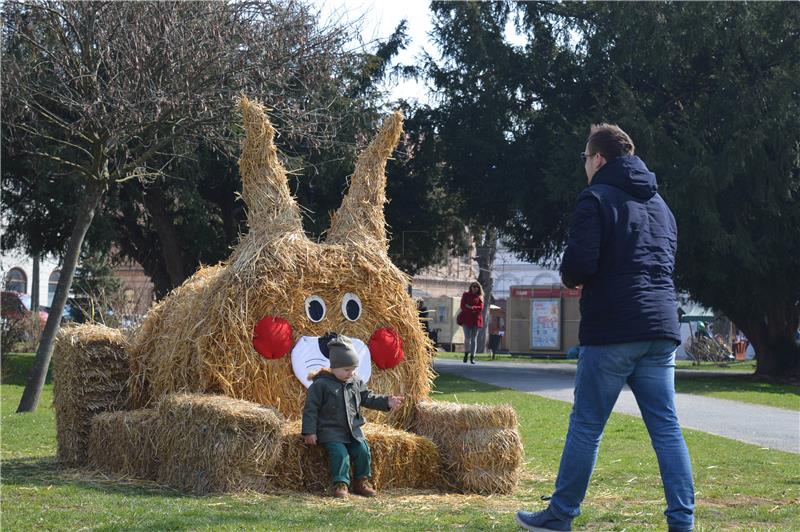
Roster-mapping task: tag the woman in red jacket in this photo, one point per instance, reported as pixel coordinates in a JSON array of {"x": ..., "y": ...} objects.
[{"x": 471, "y": 319}]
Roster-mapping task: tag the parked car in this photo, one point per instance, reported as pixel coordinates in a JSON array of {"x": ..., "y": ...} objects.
[
  {"x": 17, "y": 306},
  {"x": 44, "y": 312}
]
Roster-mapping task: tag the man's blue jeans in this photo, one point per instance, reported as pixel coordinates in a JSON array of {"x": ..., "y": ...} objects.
[{"x": 649, "y": 369}]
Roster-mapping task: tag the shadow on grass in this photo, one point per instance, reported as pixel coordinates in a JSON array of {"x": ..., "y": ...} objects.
[
  {"x": 738, "y": 383},
  {"x": 124, "y": 502},
  {"x": 17, "y": 366},
  {"x": 46, "y": 472},
  {"x": 446, "y": 383}
]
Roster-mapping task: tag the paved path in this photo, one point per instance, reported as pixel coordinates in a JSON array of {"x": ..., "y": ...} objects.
[{"x": 776, "y": 428}]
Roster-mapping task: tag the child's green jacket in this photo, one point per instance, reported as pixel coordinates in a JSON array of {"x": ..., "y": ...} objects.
[{"x": 333, "y": 408}]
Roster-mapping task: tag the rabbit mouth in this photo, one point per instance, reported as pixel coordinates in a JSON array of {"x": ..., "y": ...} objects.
[{"x": 308, "y": 358}]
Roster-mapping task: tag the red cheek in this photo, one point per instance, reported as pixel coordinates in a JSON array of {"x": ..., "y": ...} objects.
[
  {"x": 272, "y": 337},
  {"x": 386, "y": 348}
]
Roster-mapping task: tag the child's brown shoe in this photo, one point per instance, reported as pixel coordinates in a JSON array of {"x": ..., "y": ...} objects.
[
  {"x": 364, "y": 488},
  {"x": 340, "y": 490}
]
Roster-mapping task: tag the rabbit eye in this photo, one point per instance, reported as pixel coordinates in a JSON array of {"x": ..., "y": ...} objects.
[
  {"x": 315, "y": 308},
  {"x": 351, "y": 306}
]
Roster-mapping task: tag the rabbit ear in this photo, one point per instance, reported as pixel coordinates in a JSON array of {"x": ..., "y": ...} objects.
[
  {"x": 360, "y": 218},
  {"x": 271, "y": 209}
]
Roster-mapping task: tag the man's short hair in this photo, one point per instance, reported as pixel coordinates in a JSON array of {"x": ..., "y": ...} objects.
[{"x": 609, "y": 141}]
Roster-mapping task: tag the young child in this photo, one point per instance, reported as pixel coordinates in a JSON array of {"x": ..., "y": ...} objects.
[{"x": 332, "y": 417}]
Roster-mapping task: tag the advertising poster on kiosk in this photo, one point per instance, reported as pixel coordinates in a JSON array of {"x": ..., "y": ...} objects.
[{"x": 546, "y": 323}]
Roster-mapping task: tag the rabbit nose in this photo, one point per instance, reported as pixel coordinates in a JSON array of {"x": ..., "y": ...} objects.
[{"x": 323, "y": 343}]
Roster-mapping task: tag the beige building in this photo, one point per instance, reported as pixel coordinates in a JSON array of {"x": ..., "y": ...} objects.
[
  {"x": 448, "y": 280},
  {"x": 16, "y": 269}
]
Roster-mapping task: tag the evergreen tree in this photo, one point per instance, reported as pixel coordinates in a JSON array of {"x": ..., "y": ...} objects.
[{"x": 709, "y": 93}]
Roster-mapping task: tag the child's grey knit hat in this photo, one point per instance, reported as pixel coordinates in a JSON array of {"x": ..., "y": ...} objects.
[{"x": 341, "y": 352}]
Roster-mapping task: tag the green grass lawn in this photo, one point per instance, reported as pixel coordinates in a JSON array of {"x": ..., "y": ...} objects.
[
  {"x": 739, "y": 486},
  {"x": 744, "y": 366},
  {"x": 735, "y": 382},
  {"x": 742, "y": 388}
]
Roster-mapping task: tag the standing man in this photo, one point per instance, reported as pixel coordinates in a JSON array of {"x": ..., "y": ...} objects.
[{"x": 621, "y": 249}]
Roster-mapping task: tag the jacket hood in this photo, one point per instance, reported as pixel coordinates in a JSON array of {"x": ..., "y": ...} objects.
[
  {"x": 630, "y": 174},
  {"x": 326, "y": 373},
  {"x": 322, "y": 373}
]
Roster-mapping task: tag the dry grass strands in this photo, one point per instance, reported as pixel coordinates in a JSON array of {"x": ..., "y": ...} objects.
[
  {"x": 90, "y": 372},
  {"x": 361, "y": 218},
  {"x": 163, "y": 350},
  {"x": 122, "y": 443},
  {"x": 480, "y": 445},
  {"x": 208, "y": 443},
  {"x": 400, "y": 459}
]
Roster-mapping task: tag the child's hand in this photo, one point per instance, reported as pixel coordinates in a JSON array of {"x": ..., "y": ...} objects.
[
  {"x": 395, "y": 400},
  {"x": 310, "y": 439}
]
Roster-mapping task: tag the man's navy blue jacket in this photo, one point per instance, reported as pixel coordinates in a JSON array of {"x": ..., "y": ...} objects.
[{"x": 621, "y": 248}]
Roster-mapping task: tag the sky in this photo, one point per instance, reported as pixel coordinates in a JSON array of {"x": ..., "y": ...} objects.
[{"x": 380, "y": 18}]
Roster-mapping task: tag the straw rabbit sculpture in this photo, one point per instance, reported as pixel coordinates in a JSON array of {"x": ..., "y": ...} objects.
[{"x": 218, "y": 370}]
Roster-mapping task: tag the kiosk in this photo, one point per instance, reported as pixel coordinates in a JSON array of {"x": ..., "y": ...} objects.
[{"x": 543, "y": 319}]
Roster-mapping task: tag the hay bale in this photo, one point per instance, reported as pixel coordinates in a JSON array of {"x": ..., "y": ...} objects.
[
  {"x": 122, "y": 442},
  {"x": 440, "y": 418},
  {"x": 488, "y": 481},
  {"x": 213, "y": 443},
  {"x": 483, "y": 461},
  {"x": 400, "y": 459},
  {"x": 480, "y": 445},
  {"x": 500, "y": 448},
  {"x": 90, "y": 372}
]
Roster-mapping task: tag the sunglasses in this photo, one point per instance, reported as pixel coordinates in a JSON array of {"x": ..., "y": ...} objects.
[{"x": 585, "y": 156}]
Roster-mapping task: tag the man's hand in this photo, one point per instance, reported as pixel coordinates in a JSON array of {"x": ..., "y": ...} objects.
[
  {"x": 395, "y": 400},
  {"x": 310, "y": 439}
]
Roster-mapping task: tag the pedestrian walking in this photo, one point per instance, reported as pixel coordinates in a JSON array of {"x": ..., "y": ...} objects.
[
  {"x": 471, "y": 319},
  {"x": 621, "y": 249}
]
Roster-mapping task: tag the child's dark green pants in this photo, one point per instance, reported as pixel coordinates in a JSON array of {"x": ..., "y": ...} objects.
[{"x": 341, "y": 454}]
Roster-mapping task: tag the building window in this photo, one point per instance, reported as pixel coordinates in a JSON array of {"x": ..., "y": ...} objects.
[
  {"x": 17, "y": 281},
  {"x": 52, "y": 282}
]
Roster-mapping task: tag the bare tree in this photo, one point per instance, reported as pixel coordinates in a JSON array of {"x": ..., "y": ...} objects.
[
  {"x": 113, "y": 91},
  {"x": 486, "y": 247}
]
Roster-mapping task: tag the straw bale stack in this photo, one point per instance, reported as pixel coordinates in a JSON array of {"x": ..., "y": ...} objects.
[
  {"x": 217, "y": 415},
  {"x": 90, "y": 372},
  {"x": 213, "y": 443},
  {"x": 200, "y": 338},
  {"x": 122, "y": 442},
  {"x": 480, "y": 445},
  {"x": 400, "y": 459}
]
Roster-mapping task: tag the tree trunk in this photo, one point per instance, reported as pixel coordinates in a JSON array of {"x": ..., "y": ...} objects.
[
  {"x": 772, "y": 335},
  {"x": 486, "y": 252},
  {"x": 33, "y": 389},
  {"x": 143, "y": 249},
  {"x": 35, "y": 284},
  {"x": 170, "y": 242}
]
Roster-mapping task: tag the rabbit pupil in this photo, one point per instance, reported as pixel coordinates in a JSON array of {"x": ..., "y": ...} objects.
[
  {"x": 315, "y": 311},
  {"x": 353, "y": 309}
]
